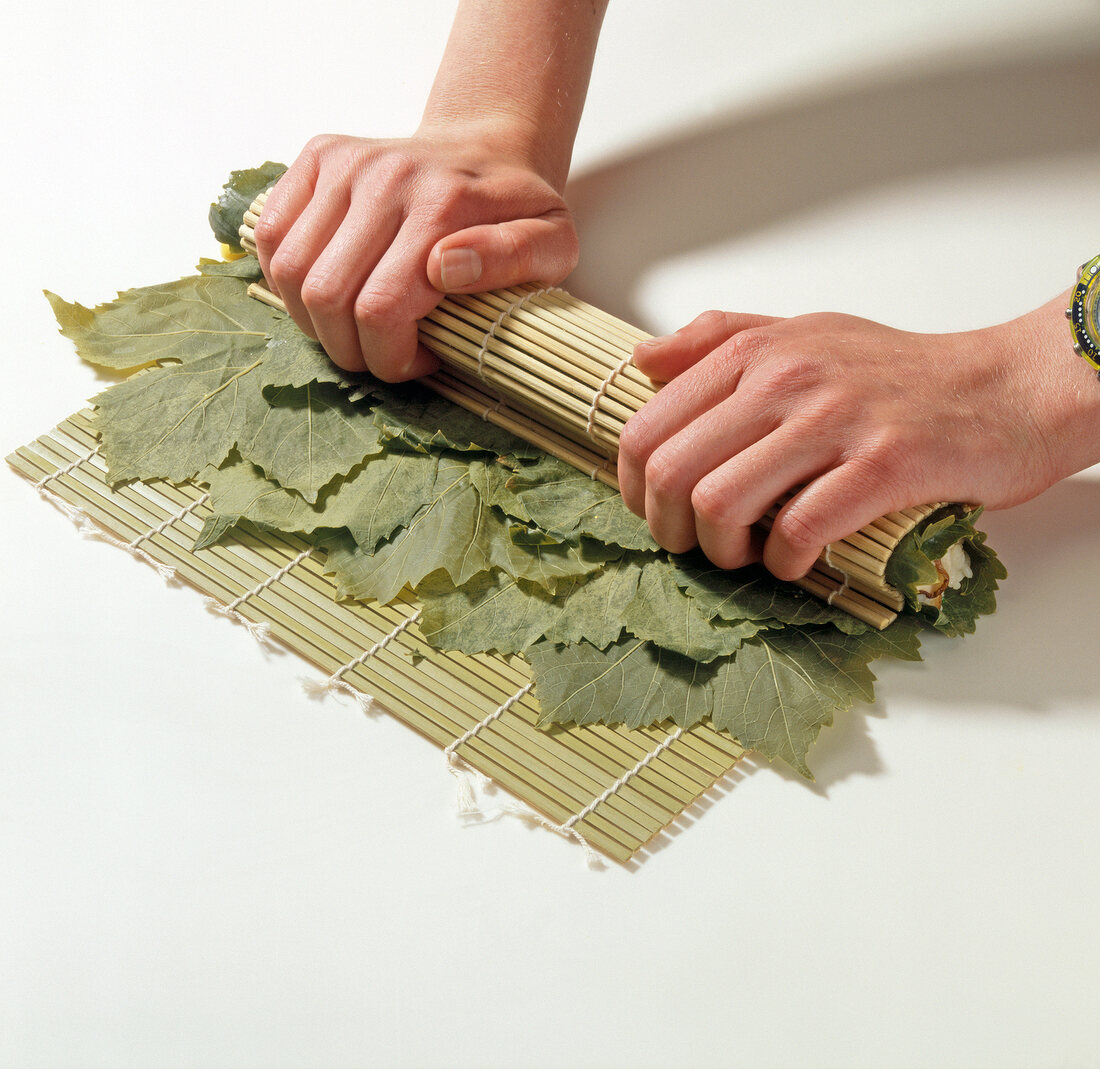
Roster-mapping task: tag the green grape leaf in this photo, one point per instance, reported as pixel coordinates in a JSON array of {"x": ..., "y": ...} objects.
[
  {"x": 569, "y": 504},
  {"x": 912, "y": 565},
  {"x": 664, "y": 614},
  {"x": 373, "y": 501},
  {"x": 174, "y": 421},
  {"x": 779, "y": 690},
  {"x": 494, "y": 611},
  {"x": 754, "y": 594},
  {"x": 308, "y": 436},
  {"x": 174, "y": 323},
  {"x": 237, "y": 195},
  {"x": 419, "y": 419},
  {"x": 294, "y": 359},
  {"x": 631, "y": 682},
  {"x": 247, "y": 268}
]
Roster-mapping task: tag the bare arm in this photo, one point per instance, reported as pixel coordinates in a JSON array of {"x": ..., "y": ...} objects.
[{"x": 361, "y": 237}]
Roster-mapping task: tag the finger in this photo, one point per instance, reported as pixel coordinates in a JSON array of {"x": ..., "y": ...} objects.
[
  {"x": 285, "y": 202},
  {"x": 685, "y": 461},
  {"x": 829, "y": 508},
  {"x": 699, "y": 388},
  {"x": 505, "y": 254},
  {"x": 730, "y": 501},
  {"x": 665, "y": 358},
  {"x": 387, "y": 310},
  {"x": 304, "y": 243},
  {"x": 339, "y": 274}
]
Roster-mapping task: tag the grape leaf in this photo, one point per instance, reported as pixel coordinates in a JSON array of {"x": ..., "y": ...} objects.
[
  {"x": 177, "y": 322},
  {"x": 782, "y": 687},
  {"x": 495, "y": 611},
  {"x": 631, "y": 682},
  {"x": 307, "y": 436},
  {"x": 373, "y": 501},
  {"x": 663, "y": 614},
  {"x": 246, "y": 268},
  {"x": 174, "y": 421},
  {"x": 411, "y": 414},
  {"x": 295, "y": 359},
  {"x": 456, "y": 531},
  {"x": 237, "y": 196},
  {"x": 912, "y": 565},
  {"x": 754, "y": 594},
  {"x": 569, "y": 504}
]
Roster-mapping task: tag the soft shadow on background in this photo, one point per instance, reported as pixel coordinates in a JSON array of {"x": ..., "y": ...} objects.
[{"x": 753, "y": 170}]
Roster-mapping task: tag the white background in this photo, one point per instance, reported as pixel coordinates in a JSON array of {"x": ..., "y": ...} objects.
[{"x": 199, "y": 866}]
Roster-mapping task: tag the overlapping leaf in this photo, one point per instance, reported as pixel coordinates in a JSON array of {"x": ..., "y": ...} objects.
[
  {"x": 174, "y": 323},
  {"x": 631, "y": 682},
  {"x": 496, "y": 611},
  {"x": 783, "y": 686}
]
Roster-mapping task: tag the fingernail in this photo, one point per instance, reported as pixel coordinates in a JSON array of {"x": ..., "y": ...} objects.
[{"x": 459, "y": 268}]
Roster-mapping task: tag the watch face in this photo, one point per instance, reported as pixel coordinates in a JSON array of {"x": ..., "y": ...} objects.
[{"x": 1092, "y": 307}]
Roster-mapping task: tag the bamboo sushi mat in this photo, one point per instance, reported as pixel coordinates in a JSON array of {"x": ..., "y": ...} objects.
[{"x": 615, "y": 789}]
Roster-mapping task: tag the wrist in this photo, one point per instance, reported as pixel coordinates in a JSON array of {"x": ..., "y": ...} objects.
[
  {"x": 502, "y": 134},
  {"x": 1063, "y": 391}
]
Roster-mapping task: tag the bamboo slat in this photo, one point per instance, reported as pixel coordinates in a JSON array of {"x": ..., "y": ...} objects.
[{"x": 277, "y": 581}]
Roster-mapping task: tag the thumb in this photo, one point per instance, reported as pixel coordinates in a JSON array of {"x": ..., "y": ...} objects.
[{"x": 543, "y": 249}]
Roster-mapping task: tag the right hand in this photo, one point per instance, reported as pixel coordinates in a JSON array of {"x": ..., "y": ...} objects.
[{"x": 361, "y": 238}]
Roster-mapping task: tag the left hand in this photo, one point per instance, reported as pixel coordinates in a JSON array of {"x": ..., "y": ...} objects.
[{"x": 852, "y": 418}]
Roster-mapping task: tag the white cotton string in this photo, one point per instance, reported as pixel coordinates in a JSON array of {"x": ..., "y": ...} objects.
[
  {"x": 833, "y": 594},
  {"x": 514, "y": 307},
  {"x": 175, "y": 518},
  {"x": 335, "y": 682},
  {"x": 133, "y": 547},
  {"x": 88, "y": 529},
  {"x": 569, "y": 827},
  {"x": 71, "y": 466},
  {"x": 260, "y": 631},
  {"x": 601, "y": 393},
  {"x": 465, "y": 774}
]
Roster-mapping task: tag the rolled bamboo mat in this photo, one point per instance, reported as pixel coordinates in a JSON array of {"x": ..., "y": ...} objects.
[
  {"x": 616, "y": 789},
  {"x": 559, "y": 373}
]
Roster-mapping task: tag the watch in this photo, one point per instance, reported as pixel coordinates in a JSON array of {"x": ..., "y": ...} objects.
[{"x": 1083, "y": 313}]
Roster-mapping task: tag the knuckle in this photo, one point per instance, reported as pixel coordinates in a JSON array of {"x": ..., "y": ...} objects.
[
  {"x": 663, "y": 476},
  {"x": 798, "y": 531},
  {"x": 711, "y": 502},
  {"x": 289, "y": 267},
  {"x": 322, "y": 294},
  {"x": 267, "y": 231},
  {"x": 711, "y": 321},
  {"x": 634, "y": 446},
  {"x": 320, "y": 145},
  {"x": 379, "y": 307},
  {"x": 391, "y": 170}
]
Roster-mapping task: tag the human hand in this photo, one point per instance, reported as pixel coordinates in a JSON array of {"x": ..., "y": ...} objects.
[
  {"x": 361, "y": 238},
  {"x": 852, "y": 418}
]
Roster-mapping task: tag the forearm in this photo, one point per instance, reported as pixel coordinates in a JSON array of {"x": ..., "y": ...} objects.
[{"x": 520, "y": 70}]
